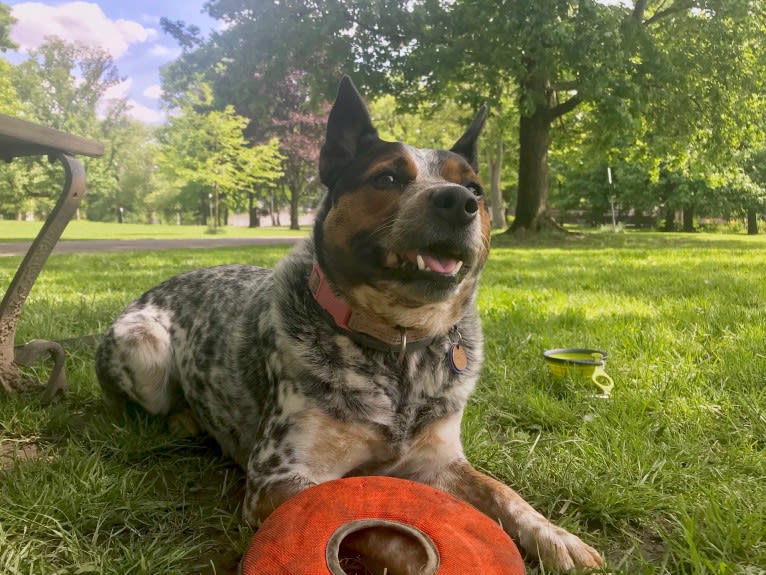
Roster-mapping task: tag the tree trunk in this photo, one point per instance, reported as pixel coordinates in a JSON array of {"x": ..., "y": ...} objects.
[
  {"x": 752, "y": 221},
  {"x": 253, "y": 211},
  {"x": 534, "y": 137},
  {"x": 295, "y": 194},
  {"x": 273, "y": 210},
  {"x": 670, "y": 220},
  {"x": 495, "y": 193},
  {"x": 688, "y": 218},
  {"x": 204, "y": 208}
]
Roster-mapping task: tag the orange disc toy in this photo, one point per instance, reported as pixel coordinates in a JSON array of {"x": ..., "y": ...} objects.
[{"x": 305, "y": 535}]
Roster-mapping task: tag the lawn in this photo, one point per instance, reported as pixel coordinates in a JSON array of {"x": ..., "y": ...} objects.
[
  {"x": 667, "y": 476},
  {"x": 13, "y": 231}
]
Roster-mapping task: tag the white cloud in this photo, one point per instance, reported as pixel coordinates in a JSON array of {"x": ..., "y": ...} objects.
[
  {"x": 135, "y": 110},
  {"x": 153, "y": 92},
  {"x": 82, "y": 22},
  {"x": 119, "y": 91},
  {"x": 150, "y": 18},
  {"x": 164, "y": 52},
  {"x": 144, "y": 113}
]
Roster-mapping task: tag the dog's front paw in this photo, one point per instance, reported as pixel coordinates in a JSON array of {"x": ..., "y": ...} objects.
[{"x": 559, "y": 550}]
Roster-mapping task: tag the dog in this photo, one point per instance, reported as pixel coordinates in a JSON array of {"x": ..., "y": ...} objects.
[{"x": 356, "y": 354}]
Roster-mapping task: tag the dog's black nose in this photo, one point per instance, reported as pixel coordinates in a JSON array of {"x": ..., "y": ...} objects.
[{"x": 455, "y": 204}]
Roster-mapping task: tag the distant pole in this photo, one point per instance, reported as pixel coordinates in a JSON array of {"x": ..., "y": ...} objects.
[
  {"x": 611, "y": 197},
  {"x": 210, "y": 205}
]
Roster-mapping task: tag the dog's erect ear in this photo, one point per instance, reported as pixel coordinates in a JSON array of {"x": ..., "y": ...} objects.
[
  {"x": 467, "y": 145},
  {"x": 348, "y": 127}
]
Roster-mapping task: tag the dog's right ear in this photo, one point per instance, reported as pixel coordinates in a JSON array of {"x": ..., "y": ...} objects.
[{"x": 348, "y": 127}]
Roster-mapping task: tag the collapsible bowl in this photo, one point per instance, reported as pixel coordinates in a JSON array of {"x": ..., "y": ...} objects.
[{"x": 579, "y": 362}]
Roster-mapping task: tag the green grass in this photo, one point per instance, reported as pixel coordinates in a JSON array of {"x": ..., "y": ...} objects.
[
  {"x": 13, "y": 231},
  {"x": 667, "y": 476}
]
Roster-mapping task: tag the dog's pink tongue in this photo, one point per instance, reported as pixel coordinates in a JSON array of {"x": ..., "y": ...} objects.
[{"x": 442, "y": 266}]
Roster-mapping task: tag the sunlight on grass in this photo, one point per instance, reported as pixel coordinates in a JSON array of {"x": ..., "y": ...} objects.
[
  {"x": 665, "y": 477},
  {"x": 84, "y": 230}
]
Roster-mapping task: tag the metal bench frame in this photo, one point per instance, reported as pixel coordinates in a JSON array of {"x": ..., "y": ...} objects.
[{"x": 22, "y": 138}]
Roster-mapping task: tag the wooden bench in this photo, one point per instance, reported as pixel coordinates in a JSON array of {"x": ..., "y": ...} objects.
[{"x": 22, "y": 138}]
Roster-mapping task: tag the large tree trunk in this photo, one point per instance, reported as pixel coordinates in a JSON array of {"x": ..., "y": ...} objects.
[
  {"x": 752, "y": 221},
  {"x": 534, "y": 138},
  {"x": 495, "y": 193}
]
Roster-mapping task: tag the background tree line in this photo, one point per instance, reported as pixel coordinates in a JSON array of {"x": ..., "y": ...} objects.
[
  {"x": 198, "y": 165},
  {"x": 667, "y": 96},
  {"x": 666, "y": 93}
]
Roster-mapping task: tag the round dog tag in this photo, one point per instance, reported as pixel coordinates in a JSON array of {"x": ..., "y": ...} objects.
[{"x": 458, "y": 360}]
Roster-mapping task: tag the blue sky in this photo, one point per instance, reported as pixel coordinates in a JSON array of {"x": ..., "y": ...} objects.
[{"x": 128, "y": 29}]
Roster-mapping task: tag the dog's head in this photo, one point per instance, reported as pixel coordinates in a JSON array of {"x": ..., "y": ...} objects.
[{"x": 403, "y": 232}]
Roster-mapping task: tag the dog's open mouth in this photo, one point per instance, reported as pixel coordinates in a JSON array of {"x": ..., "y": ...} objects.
[{"x": 425, "y": 262}]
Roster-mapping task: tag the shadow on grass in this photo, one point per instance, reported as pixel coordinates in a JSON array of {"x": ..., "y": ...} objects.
[{"x": 113, "y": 481}]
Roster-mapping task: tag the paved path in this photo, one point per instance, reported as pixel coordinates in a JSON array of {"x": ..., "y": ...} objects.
[{"x": 74, "y": 246}]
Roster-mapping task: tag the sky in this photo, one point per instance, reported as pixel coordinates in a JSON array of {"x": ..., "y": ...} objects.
[{"x": 128, "y": 29}]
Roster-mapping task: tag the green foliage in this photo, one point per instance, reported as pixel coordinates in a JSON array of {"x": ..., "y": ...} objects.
[
  {"x": 203, "y": 151},
  {"x": 6, "y": 23},
  {"x": 61, "y": 86},
  {"x": 678, "y": 81},
  {"x": 9, "y": 99}
]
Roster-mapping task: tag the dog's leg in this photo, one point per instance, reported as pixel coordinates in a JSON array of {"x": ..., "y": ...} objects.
[
  {"x": 555, "y": 547},
  {"x": 318, "y": 448},
  {"x": 301, "y": 450},
  {"x": 437, "y": 459}
]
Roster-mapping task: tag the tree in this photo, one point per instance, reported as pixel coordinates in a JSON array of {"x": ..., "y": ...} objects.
[
  {"x": 61, "y": 86},
  {"x": 6, "y": 23},
  {"x": 126, "y": 174},
  {"x": 553, "y": 55},
  {"x": 204, "y": 150}
]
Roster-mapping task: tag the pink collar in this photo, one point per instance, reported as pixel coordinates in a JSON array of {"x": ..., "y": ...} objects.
[{"x": 374, "y": 333}]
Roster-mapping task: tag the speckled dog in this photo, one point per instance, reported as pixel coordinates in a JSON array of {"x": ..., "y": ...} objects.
[{"x": 356, "y": 354}]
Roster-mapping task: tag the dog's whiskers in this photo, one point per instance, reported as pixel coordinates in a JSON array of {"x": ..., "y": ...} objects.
[{"x": 386, "y": 226}]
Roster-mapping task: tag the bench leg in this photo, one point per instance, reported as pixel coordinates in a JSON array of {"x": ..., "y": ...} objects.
[{"x": 21, "y": 285}]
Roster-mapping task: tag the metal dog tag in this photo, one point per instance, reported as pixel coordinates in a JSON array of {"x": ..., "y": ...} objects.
[{"x": 457, "y": 358}]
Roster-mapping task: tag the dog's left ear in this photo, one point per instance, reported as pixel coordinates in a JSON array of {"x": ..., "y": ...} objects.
[
  {"x": 348, "y": 128},
  {"x": 467, "y": 145}
]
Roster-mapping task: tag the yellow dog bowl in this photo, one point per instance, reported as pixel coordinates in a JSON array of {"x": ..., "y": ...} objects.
[{"x": 580, "y": 362}]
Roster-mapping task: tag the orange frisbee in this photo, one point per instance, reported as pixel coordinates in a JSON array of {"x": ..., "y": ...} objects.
[{"x": 304, "y": 535}]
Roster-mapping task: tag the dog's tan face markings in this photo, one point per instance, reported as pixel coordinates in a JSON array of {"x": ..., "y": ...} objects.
[
  {"x": 456, "y": 169},
  {"x": 365, "y": 208},
  {"x": 382, "y": 219},
  {"x": 403, "y": 232}
]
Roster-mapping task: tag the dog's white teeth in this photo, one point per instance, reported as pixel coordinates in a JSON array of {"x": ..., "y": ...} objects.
[
  {"x": 421, "y": 263},
  {"x": 457, "y": 268},
  {"x": 391, "y": 260}
]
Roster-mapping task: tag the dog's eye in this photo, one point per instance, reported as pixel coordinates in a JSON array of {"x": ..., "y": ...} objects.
[
  {"x": 386, "y": 181},
  {"x": 476, "y": 189}
]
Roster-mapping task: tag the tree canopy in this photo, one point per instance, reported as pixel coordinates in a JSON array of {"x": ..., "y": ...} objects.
[
  {"x": 665, "y": 95},
  {"x": 677, "y": 77}
]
